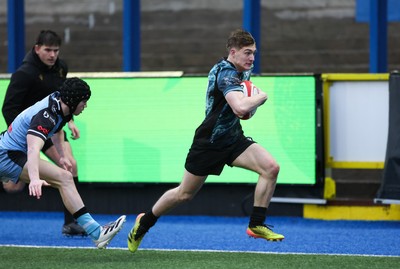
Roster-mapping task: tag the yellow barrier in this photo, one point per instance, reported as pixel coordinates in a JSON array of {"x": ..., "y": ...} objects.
[{"x": 345, "y": 212}]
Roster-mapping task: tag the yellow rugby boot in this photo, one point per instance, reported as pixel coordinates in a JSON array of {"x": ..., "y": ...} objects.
[
  {"x": 263, "y": 231},
  {"x": 133, "y": 239}
]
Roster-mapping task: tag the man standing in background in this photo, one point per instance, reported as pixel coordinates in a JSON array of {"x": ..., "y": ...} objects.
[{"x": 41, "y": 73}]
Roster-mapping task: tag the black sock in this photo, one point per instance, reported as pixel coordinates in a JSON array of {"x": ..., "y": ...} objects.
[
  {"x": 148, "y": 220},
  {"x": 258, "y": 216},
  {"x": 68, "y": 218},
  {"x": 80, "y": 212}
]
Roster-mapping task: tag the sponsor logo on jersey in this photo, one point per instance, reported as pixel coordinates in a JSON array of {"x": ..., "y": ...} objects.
[
  {"x": 52, "y": 120},
  {"x": 43, "y": 130}
]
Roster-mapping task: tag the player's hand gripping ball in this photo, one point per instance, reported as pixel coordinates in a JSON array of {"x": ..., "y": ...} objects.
[{"x": 249, "y": 89}]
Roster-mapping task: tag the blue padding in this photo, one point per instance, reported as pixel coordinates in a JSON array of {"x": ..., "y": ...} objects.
[{"x": 362, "y": 10}]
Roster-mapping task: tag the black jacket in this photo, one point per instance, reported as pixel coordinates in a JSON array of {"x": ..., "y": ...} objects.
[{"x": 32, "y": 81}]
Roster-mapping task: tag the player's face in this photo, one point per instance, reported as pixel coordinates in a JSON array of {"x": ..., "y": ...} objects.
[
  {"x": 47, "y": 54},
  {"x": 243, "y": 59},
  {"x": 81, "y": 106}
]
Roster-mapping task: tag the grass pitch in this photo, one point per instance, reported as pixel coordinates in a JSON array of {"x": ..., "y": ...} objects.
[{"x": 82, "y": 258}]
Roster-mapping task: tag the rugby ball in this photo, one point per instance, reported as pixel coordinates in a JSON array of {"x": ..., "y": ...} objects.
[{"x": 249, "y": 89}]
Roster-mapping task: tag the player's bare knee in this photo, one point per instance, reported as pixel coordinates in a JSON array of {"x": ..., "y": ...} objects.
[
  {"x": 64, "y": 178},
  {"x": 275, "y": 168},
  {"x": 74, "y": 164},
  {"x": 10, "y": 187},
  {"x": 271, "y": 171}
]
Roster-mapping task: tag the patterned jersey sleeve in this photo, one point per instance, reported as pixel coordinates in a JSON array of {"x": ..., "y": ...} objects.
[
  {"x": 42, "y": 124},
  {"x": 228, "y": 80}
]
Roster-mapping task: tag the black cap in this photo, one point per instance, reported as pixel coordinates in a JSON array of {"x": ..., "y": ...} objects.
[{"x": 73, "y": 91}]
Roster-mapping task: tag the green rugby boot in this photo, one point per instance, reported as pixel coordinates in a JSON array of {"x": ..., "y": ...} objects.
[{"x": 263, "y": 231}]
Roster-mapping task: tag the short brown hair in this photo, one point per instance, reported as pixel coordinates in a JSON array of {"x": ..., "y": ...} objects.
[
  {"x": 238, "y": 39},
  {"x": 48, "y": 38}
]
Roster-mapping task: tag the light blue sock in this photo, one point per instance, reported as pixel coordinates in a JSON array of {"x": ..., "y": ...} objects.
[{"x": 89, "y": 225}]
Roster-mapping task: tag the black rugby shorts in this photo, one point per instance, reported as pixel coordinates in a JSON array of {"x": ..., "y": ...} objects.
[{"x": 204, "y": 161}]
